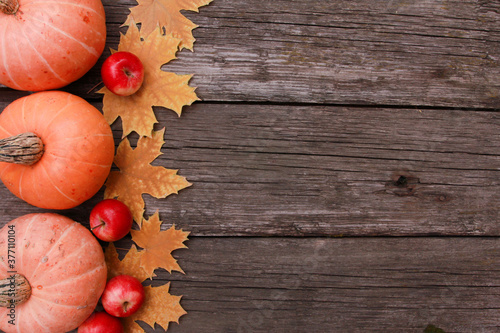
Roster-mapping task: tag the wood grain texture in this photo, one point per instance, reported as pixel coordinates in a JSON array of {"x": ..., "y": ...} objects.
[
  {"x": 398, "y": 52},
  {"x": 439, "y": 53},
  {"x": 325, "y": 170},
  {"x": 322, "y": 285},
  {"x": 326, "y": 119},
  {"x": 284, "y": 170}
]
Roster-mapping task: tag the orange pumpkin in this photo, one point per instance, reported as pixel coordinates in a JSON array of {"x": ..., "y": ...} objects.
[
  {"x": 49, "y": 44},
  {"x": 61, "y": 274},
  {"x": 77, "y": 149}
]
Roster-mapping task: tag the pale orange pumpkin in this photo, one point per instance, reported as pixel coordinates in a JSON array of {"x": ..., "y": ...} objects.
[
  {"x": 66, "y": 159},
  {"x": 61, "y": 274},
  {"x": 49, "y": 44}
]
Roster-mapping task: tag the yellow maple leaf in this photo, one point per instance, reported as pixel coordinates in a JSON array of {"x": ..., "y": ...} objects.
[
  {"x": 159, "y": 307},
  {"x": 129, "y": 265},
  {"x": 159, "y": 88},
  {"x": 157, "y": 245},
  {"x": 137, "y": 176},
  {"x": 166, "y": 13}
]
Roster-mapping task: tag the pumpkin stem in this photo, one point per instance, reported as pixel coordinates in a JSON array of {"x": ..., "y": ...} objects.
[
  {"x": 25, "y": 148},
  {"x": 14, "y": 289},
  {"x": 9, "y": 7}
]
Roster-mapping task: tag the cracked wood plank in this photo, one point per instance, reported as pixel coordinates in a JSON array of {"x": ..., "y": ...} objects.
[
  {"x": 425, "y": 53},
  {"x": 263, "y": 170},
  {"x": 251, "y": 285},
  {"x": 318, "y": 170},
  {"x": 434, "y": 53}
]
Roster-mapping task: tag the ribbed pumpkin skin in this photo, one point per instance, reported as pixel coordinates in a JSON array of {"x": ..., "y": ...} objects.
[
  {"x": 65, "y": 267},
  {"x": 79, "y": 149},
  {"x": 49, "y": 44}
]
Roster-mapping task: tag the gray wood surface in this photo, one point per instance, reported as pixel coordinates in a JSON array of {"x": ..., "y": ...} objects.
[
  {"x": 432, "y": 53},
  {"x": 338, "y": 285},
  {"x": 324, "y": 170},
  {"x": 438, "y": 53},
  {"x": 345, "y": 165}
]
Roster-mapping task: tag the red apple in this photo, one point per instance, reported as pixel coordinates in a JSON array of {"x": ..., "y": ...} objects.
[
  {"x": 122, "y": 73},
  {"x": 122, "y": 296},
  {"x": 110, "y": 220},
  {"x": 101, "y": 322}
]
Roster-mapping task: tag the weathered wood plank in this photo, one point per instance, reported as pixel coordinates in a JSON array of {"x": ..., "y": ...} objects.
[
  {"x": 281, "y": 170},
  {"x": 337, "y": 285},
  {"x": 434, "y": 53},
  {"x": 323, "y": 170},
  {"x": 442, "y": 53},
  {"x": 319, "y": 170},
  {"x": 437, "y": 53}
]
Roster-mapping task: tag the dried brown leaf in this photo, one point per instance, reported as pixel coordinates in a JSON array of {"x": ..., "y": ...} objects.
[
  {"x": 137, "y": 176},
  {"x": 167, "y": 14},
  {"x": 159, "y": 307},
  {"x": 158, "y": 245},
  {"x": 159, "y": 88},
  {"x": 129, "y": 265}
]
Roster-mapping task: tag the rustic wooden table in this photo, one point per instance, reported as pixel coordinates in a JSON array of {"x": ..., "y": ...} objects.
[{"x": 345, "y": 161}]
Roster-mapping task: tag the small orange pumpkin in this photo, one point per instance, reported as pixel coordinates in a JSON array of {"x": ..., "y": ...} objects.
[
  {"x": 53, "y": 271},
  {"x": 49, "y": 44},
  {"x": 66, "y": 159}
]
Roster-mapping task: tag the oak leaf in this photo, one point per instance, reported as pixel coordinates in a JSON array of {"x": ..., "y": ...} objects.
[
  {"x": 166, "y": 14},
  {"x": 159, "y": 88},
  {"x": 137, "y": 176},
  {"x": 129, "y": 265},
  {"x": 159, "y": 307},
  {"x": 157, "y": 245}
]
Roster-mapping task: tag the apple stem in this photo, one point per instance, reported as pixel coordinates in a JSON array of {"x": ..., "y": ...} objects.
[
  {"x": 9, "y": 7},
  {"x": 99, "y": 225},
  {"x": 126, "y": 306}
]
